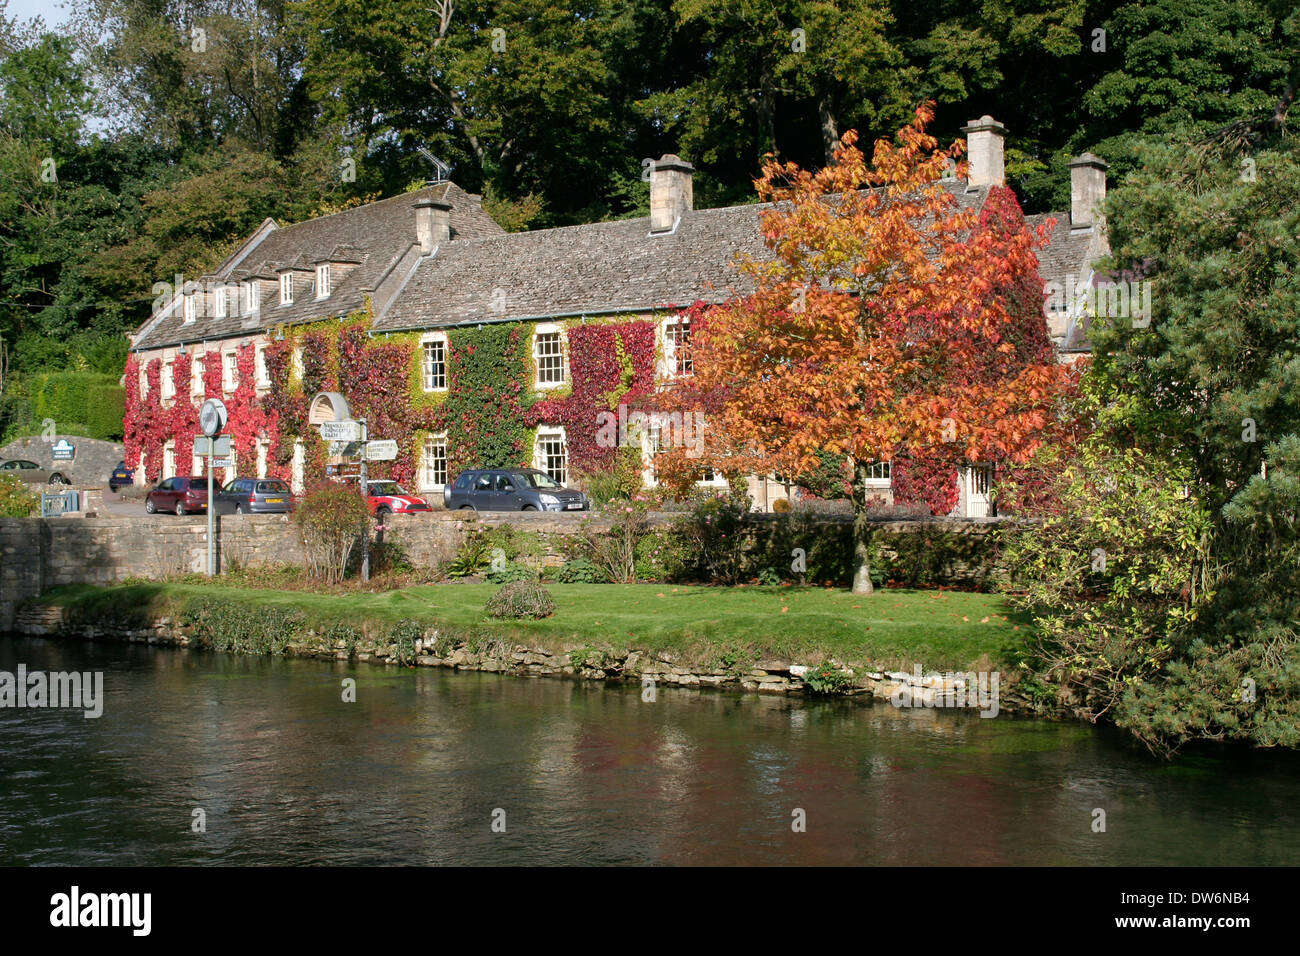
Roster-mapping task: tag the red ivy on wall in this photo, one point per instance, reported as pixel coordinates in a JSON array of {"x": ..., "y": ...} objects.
[
  {"x": 925, "y": 481},
  {"x": 609, "y": 364}
]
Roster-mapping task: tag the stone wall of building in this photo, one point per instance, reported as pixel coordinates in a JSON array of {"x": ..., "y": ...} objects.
[{"x": 92, "y": 463}]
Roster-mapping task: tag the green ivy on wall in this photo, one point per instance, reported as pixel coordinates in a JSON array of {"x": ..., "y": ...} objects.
[{"x": 490, "y": 392}]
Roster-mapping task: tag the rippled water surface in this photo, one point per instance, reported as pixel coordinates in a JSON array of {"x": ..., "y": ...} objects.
[{"x": 412, "y": 772}]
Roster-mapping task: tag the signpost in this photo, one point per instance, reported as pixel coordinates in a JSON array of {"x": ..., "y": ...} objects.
[
  {"x": 381, "y": 449},
  {"x": 212, "y": 418},
  {"x": 342, "y": 431}
]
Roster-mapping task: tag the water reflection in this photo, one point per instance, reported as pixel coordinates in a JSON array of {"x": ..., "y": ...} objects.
[{"x": 412, "y": 772}]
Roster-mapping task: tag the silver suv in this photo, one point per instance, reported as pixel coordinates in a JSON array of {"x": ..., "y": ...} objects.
[{"x": 512, "y": 489}]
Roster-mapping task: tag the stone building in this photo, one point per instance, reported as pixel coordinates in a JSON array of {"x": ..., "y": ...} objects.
[{"x": 424, "y": 265}]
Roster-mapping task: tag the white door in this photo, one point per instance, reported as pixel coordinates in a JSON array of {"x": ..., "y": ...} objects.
[{"x": 977, "y": 487}]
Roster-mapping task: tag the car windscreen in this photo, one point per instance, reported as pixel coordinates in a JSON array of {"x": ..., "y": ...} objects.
[
  {"x": 384, "y": 488},
  {"x": 536, "y": 479},
  {"x": 272, "y": 488}
]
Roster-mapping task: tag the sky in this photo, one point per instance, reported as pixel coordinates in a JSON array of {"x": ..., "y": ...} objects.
[{"x": 53, "y": 11}]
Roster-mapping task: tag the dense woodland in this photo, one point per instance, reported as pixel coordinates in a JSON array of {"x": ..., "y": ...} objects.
[{"x": 142, "y": 138}]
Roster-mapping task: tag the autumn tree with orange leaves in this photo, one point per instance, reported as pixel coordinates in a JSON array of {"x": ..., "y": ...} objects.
[{"x": 886, "y": 321}]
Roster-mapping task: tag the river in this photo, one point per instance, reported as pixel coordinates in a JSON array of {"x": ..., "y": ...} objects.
[{"x": 419, "y": 767}]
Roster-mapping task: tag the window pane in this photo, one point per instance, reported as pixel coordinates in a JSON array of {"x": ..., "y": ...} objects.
[
  {"x": 677, "y": 337},
  {"x": 553, "y": 457},
  {"x": 435, "y": 365},
  {"x": 550, "y": 358}
]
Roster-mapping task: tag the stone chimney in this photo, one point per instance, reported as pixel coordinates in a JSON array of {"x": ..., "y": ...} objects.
[
  {"x": 1087, "y": 190},
  {"x": 670, "y": 192},
  {"x": 432, "y": 223},
  {"x": 984, "y": 152}
]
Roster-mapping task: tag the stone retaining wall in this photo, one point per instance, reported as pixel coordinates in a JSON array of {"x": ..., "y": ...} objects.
[{"x": 646, "y": 668}]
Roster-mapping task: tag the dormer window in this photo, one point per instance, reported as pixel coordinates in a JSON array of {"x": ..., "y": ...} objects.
[
  {"x": 190, "y": 307},
  {"x": 219, "y": 302},
  {"x": 286, "y": 289},
  {"x": 322, "y": 280},
  {"x": 252, "y": 297}
]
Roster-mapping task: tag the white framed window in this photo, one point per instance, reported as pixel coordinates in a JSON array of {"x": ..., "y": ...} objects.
[
  {"x": 548, "y": 353},
  {"x": 168, "y": 379},
  {"x": 219, "y": 302},
  {"x": 229, "y": 371},
  {"x": 169, "y": 459},
  {"x": 878, "y": 473},
  {"x": 262, "y": 376},
  {"x": 196, "y": 376},
  {"x": 322, "y": 280},
  {"x": 263, "y": 452},
  {"x": 433, "y": 363},
  {"x": 252, "y": 297},
  {"x": 677, "y": 346},
  {"x": 190, "y": 307},
  {"x": 552, "y": 454},
  {"x": 198, "y": 464},
  {"x": 144, "y": 379},
  {"x": 433, "y": 463},
  {"x": 286, "y": 288}
]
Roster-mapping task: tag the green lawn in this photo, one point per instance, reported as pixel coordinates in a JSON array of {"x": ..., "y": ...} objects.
[{"x": 893, "y": 628}]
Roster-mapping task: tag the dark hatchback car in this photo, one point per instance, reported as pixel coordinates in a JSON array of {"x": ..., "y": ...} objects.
[
  {"x": 120, "y": 477},
  {"x": 512, "y": 489},
  {"x": 180, "y": 495},
  {"x": 254, "y": 496}
]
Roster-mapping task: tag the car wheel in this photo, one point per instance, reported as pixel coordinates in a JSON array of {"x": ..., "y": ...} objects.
[
  {"x": 239, "y": 509},
  {"x": 149, "y": 507},
  {"x": 529, "y": 508},
  {"x": 180, "y": 509},
  {"x": 383, "y": 511},
  {"x": 57, "y": 479},
  {"x": 466, "y": 507}
]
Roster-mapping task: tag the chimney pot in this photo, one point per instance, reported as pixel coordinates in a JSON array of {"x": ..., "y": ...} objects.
[
  {"x": 432, "y": 223},
  {"x": 1087, "y": 190},
  {"x": 671, "y": 192},
  {"x": 984, "y": 149}
]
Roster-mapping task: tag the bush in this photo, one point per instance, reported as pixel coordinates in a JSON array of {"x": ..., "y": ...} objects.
[
  {"x": 614, "y": 551},
  {"x": 403, "y": 635},
  {"x": 345, "y": 634},
  {"x": 473, "y": 556},
  {"x": 1112, "y": 581},
  {"x": 330, "y": 519},
  {"x": 713, "y": 536},
  {"x": 620, "y": 482},
  {"x": 17, "y": 500},
  {"x": 521, "y": 599},
  {"x": 512, "y": 571},
  {"x": 828, "y": 678},
  {"x": 580, "y": 571},
  {"x": 222, "y": 625}
]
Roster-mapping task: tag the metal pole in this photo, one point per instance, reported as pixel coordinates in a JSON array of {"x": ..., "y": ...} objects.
[
  {"x": 212, "y": 551},
  {"x": 365, "y": 521}
]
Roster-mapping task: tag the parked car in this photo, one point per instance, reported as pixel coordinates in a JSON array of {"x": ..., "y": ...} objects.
[
  {"x": 181, "y": 495},
  {"x": 121, "y": 475},
  {"x": 512, "y": 489},
  {"x": 33, "y": 473},
  {"x": 256, "y": 496},
  {"x": 386, "y": 497}
]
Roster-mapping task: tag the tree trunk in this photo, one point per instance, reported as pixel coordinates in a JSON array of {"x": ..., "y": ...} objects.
[
  {"x": 830, "y": 128},
  {"x": 862, "y": 530}
]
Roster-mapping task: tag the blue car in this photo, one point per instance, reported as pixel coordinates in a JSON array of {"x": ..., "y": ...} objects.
[{"x": 122, "y": 475}]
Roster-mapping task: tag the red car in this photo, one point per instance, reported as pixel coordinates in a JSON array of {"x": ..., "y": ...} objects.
[
  {"x": 387, "y": 497},
  {"x": 181, "y": 495}
]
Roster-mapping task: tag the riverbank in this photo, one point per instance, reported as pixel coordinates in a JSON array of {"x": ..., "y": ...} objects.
[{"x": 746, "y": 638}]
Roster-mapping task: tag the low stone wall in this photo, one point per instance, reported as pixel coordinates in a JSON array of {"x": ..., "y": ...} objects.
[
  {"x": 37, "y": 554},
  {"x": 646, "y": 668}
]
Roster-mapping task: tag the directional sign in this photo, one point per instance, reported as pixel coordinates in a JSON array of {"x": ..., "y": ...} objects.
[
  {"x": 344, "y": 449},
  {"x": 381, "y": 450},
  {"x": 222, "y": 463},
  {"x": 222, "y": 444},
  {"x": 340, "y": 431}
]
